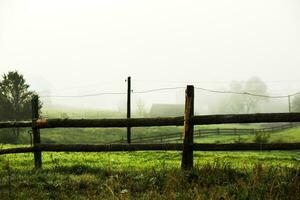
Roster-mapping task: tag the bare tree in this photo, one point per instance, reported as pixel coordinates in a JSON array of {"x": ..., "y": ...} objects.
[
  {"x": 141, "y": 108},
  {"x": 245, "y": 103}
]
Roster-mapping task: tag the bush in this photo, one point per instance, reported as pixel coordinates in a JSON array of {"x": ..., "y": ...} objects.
[
  {"x": 239, "y": 140},
  {"x": 261, "y": 137},
  {"x": 8, "y": 137}
]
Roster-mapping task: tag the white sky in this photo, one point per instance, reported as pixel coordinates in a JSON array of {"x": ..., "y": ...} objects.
[{"x": 70, "y": 47}]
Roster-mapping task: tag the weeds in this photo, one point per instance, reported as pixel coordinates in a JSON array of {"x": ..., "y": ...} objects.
[
  {"x": 239, "y": 140},
  {"x": 8, "y": 171},
  {"x": 153, "y": 175},
  {"x": 212, "y": 181},
  {"x": 261, "y": 138}
]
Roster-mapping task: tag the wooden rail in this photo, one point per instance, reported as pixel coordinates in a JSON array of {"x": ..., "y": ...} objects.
[
  {"x": 163, "y": 121},
  {"x": 246, "y": 118},
  {"x": 25, "y": 124},
  {"x": 206, "y": 132},
  {"x": 110, "y": 123}
]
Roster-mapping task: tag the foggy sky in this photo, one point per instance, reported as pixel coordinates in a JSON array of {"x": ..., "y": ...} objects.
[{"x": 73, "y": 47}]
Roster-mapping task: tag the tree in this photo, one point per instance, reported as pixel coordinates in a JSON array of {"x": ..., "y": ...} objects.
[
  {"x": 236, "y": 102},
  {"x": 296, "y": 104},
  {"x": 254, "y": 86},
  {"x": 3, "y": 109},
  {"x": 243, "y": 103},
  {"x": 141, "y": 108},
  {"x": 15, "y": 99}
]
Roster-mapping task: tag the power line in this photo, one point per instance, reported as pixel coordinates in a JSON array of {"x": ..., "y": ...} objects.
[
  {"x": 158, "y": 89},
  {"x": 245, "y": 93},
  {"x": 170, "y": 88},
  {"x": 112, "y": 93},
  {"x": 295, "y": 94},
  {"x": 85, "y": 95},
  {"x": 216, "y": 82}
]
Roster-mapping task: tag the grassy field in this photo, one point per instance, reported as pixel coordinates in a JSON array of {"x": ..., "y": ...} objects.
[
  {"x": 289, "y": 135},
  {"x": 94, "y": 135},
  {"x": 107, "y": 135},
  {"x": 151, "y": 175}
]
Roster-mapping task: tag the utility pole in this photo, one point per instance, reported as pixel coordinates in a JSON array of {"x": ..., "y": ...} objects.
[
  {"x": 128, "y": 108},
  {"x": 290, "y": 106}
]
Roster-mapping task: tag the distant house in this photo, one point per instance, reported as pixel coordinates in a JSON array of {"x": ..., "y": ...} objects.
[{"x": 166, "y": 110}]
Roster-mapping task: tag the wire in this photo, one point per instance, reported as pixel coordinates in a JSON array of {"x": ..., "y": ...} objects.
[
  {"x": 171, "y": 88},
  {"x": 243, "y": 93},
  {"x": 158, "y": 89},
  {"x": 86, "y": 95},
  {"x": 112, "y": 93},
  {"x": 214, "y": 82},
  {"x": 295, "y": 94}
]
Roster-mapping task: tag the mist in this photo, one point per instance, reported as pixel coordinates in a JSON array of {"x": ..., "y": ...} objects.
[{"x": 71, "y": 48}]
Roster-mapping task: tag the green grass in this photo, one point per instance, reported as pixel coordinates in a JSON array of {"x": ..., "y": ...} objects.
[
  {"x": 289, "y": 135},
  {"x": 151, "y": 175},
  {"x": 107, "y": 135}
]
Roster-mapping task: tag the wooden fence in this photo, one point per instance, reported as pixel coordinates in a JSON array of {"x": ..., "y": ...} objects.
[
  {"x": 188, "y": 121},
  {"x": 201, "y": 133}
]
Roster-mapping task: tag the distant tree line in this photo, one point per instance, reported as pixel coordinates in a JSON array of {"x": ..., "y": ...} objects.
[
  {"x": 296, "y": 103},
  {"x": 15, "y": 103},
  {"x": 243, "y": 103}
]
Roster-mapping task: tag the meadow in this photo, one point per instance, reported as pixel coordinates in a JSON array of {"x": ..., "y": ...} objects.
[
  {"x": 151, "y": 174},
  {"x": 159, "y": 134}
]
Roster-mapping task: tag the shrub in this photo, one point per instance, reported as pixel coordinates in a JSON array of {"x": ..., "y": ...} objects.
[
  {"x": 261, "y": 137},
  {"x": 7, "y": 137},
  {"x": 239, "y": 140}
]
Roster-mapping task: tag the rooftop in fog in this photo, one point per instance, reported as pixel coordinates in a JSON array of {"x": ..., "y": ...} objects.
[{"x": 166, "y": 110}]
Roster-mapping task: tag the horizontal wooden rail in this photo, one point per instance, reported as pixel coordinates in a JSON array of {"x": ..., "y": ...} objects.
[
  {"x": 152, "y": 147},
  {"x": 163, "y": 121},
  {"x": 170, "y": 121},
  {"x": 246, "y": 118},
  {"x": 16, "y": 150},
  {"x": 19, "y": 124},
  {"x": 109, "y": 123}
]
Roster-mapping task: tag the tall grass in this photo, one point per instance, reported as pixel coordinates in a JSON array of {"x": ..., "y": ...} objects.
[
  {"x": 217, "y": 180},
  {"x": 151, "y": 175}
]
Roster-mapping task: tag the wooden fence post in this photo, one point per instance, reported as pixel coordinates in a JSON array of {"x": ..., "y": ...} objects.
[
  {"x": 187, "y": 153},
  {"x": 36, "y": 132}
]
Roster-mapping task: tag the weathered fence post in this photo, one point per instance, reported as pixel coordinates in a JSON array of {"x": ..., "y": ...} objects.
[
  {"x": 187, "y": 154},
  {"x": 36, "y": 132}
]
